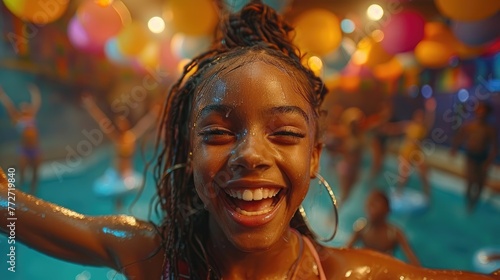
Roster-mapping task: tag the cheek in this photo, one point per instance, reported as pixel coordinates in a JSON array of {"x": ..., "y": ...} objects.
[{"x": 208, "y": 173}]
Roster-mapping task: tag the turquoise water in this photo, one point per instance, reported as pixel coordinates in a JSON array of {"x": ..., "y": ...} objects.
[{"x": 445, "y": 236}]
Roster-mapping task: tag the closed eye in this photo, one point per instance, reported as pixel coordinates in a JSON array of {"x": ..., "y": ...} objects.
[
  {"x": 216, "y": 136},
  {"x": 287, "y": 136},
  {"x": 290, "y": 133}
]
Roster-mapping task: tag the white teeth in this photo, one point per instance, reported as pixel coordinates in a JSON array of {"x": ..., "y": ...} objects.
[
  {"x": 246, "y": 213},
  {"x": 252, "y": 194},
  {"x": 257, "y": 194},
  {"x": 247, "y": 195}
]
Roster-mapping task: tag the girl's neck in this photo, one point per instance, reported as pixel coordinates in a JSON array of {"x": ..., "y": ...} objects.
[{"x": 273, "y": 263}]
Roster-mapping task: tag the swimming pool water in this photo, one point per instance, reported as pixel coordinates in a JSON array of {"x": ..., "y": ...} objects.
[{"x": 445, "y": 237}]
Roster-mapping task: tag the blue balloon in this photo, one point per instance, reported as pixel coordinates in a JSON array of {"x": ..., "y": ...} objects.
[{"x": 476, "y": 33}]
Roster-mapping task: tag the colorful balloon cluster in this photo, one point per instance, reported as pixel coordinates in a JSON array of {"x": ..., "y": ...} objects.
[{"x": 403, "y": 42}]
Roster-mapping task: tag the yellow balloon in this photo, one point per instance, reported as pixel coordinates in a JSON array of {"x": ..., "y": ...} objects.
[
  {"x": 132, "y": 39},
  {"x": 317, "y": 31},
  {"x": 36, "y": 11},
  {"x": 370, "y": 53},
  {"x": 193, "y": 17},
  {"x": 468, "y": 10},
  {"x": 433, "y": 54},
  {"x": 150, "y": 55}
]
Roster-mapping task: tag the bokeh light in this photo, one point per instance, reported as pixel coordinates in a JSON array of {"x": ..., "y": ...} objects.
[
  {"x": 378, "y": 35},
  {"x": 315, "y": 64},
  {"x": 103, "y": 3},
  {"x": 347, "y": 26},
  {"x": 426, "y": 91},
  {"x": 156, "y": 25},
  {"x": 375, "y": 12},
  {"x": 463, "y": 95}
]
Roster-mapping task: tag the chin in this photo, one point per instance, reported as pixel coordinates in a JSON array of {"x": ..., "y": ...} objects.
[{"x": 255, "y": 241}]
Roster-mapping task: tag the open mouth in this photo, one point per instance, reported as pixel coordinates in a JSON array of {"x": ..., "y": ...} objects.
[{"x": 253, "y": 201}]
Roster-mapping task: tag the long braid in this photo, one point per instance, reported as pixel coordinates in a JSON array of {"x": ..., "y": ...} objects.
[{"x": 256, "y": 29}]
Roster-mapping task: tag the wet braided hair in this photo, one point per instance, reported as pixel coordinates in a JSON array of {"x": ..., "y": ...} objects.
[{"x": 256, "y": 33}]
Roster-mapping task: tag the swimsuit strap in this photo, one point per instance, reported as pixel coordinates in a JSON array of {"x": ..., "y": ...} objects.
[
  {"x": 316, "y": 257},
  {"x": 293, "y": 268}
]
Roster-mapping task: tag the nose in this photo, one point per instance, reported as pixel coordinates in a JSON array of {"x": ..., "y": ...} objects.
[{"x": 251, "y": 153}]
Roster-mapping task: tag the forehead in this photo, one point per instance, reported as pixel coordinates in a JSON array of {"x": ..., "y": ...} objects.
[{"x": 243, "y": 80}]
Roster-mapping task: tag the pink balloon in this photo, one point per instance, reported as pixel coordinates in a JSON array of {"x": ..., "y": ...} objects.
[
  {"x": 100, "y": 22},
  {"x": 403, "y": 31},
  {"x": 80, "y": 39}
]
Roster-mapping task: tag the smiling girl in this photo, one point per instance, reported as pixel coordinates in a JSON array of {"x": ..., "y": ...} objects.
[{"x": 241, "y": 146}]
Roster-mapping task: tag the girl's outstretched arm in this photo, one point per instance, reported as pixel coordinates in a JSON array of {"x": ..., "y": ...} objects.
[
  {"x": 36, "y": 99},
  {"x": 11, "y": 109},
  {"x": 367, "y": 264},
  {"x": 146, "y": 121},
  {"x": 119, "y": 242},
  {"x": 405, "y": 246},
  {"x": 98, "y": 115}
]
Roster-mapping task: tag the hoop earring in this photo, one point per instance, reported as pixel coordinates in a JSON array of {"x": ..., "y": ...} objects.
[
  {"x": 303, "y": 213},
  {"x": 175, "y": 167}
]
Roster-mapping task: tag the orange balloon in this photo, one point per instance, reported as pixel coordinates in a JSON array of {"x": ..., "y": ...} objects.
[
  {"x": 468, "y": 10},
  {"x": 438, "y": 31},
  {"x": 433, "y": 54},
  {"x": 350, "y": 83},
  {"x": 388, "y": 71},
  {"x": 193, "y": 17},
  {"x": 317, "y": 31},
  {"x": 36, "y": 11}
]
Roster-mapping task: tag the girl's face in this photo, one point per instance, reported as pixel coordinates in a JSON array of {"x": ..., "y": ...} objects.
[{"x": 254, "y": 153}]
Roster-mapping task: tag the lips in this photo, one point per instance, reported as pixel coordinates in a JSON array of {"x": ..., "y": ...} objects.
[{"x": 252, "y": 203}]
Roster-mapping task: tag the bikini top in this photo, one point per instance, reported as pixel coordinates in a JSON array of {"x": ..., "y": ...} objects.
[
  {"x": 183, "y": 267},
  {"x": 24, "y": 123}
]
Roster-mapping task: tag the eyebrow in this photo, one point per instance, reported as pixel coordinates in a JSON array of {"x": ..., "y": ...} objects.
[
  {"x": 225, "y": 110},
  {"x": 289, "y": 110},
  {"x": 218, "y": 108}
]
